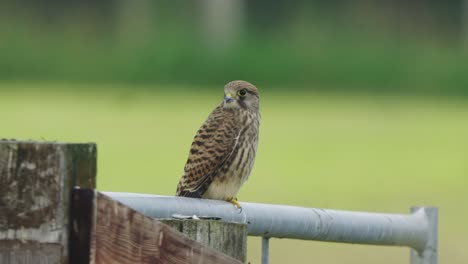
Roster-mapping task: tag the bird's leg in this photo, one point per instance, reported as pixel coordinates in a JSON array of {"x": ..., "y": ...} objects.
[{"x": 234, "y": 201}]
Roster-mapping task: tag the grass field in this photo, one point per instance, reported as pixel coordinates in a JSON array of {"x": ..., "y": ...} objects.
[{"x": 318, "y": 150}]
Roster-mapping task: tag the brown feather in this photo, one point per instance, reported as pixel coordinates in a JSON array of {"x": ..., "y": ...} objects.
[
  {"x": 223, "y": 151},
  {"x": 211, "y": 147}
]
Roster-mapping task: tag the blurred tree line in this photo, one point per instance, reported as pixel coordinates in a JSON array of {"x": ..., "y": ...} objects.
[{"x": 364, "y": 45}]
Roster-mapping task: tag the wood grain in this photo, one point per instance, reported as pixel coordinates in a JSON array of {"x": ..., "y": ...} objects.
[
  {"x": 228, "y": 238},
  {"x": 36, "y": 179},
  {"x": 123, "y": 235}
]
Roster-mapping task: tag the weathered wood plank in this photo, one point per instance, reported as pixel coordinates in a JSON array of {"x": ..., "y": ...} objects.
[
  {"x": 120, "y": 234},
  {"x": 30, "y": 252},
  {"x": 36, "y": 179},
  {"x": 228, "y": 238}
]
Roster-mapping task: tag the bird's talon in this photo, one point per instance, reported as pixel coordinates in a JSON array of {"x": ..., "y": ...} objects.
[{"x": 235, "y": 202}]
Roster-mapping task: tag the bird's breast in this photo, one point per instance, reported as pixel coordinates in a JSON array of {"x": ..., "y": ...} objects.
[{"x": 236, "y": 170}]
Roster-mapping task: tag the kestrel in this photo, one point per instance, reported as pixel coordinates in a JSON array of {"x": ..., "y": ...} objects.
[{"x": 223, "y": 151}]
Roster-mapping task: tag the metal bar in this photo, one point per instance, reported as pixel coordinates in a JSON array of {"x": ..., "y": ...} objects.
[
  {"x": 282, "y": 221},
  {"x": 429, "y": 254},
  {"x": 265, "y": 249}
]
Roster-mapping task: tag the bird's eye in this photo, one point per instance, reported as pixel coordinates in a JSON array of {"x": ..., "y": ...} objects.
[{"x": 242, "y": 92}]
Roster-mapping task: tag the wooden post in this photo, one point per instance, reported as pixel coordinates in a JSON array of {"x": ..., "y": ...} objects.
[
  {"x": 229, "y": 238},
  {"x": 36, "y": 180},
  {"x": 106, "y": 231},
  {"x": 50, "y": 213}
]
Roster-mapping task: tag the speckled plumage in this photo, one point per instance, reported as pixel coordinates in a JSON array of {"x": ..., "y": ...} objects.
[{"x": 223, "y": 151}]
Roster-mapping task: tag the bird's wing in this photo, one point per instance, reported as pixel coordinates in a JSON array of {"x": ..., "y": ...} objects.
[{"x": 212, "y": 146}]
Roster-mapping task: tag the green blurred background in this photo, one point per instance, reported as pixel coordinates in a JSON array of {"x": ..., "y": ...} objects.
[{"x": 363, "y": 102}]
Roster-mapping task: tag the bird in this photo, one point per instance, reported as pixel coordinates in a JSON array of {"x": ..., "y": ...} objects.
[{"x": 222, "y": 154}]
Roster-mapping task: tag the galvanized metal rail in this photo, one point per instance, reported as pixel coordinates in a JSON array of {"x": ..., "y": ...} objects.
[{"x": 417, "y": 230}]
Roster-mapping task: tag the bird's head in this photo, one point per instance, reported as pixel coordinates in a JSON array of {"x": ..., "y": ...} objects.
[{"x": 241, "y": 94}]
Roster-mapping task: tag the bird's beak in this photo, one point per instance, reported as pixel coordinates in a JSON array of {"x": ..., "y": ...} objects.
[{"x": 228, "y": 98}]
